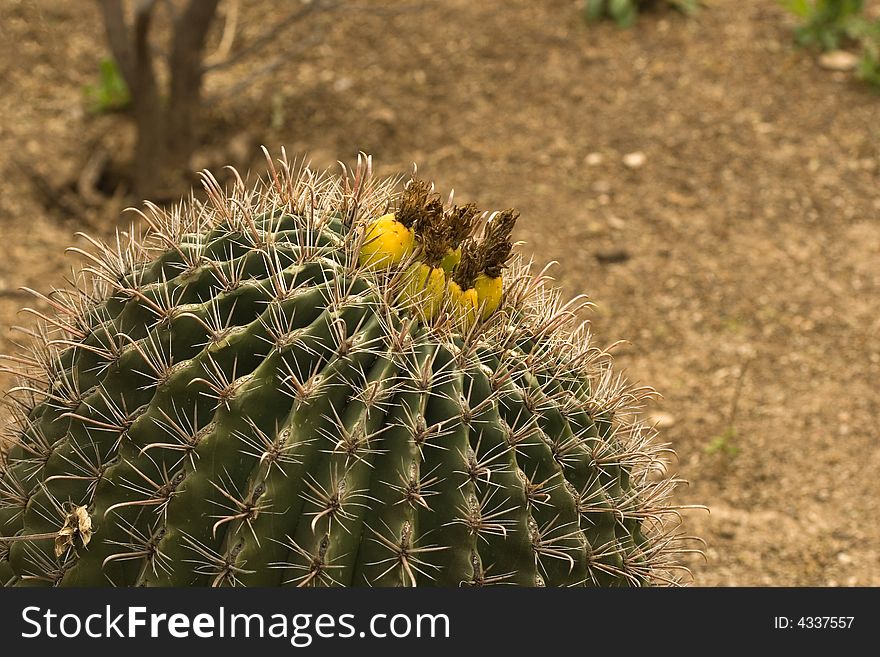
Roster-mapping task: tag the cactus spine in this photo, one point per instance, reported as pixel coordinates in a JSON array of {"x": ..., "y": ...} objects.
[{"x": 320, "y": 381}]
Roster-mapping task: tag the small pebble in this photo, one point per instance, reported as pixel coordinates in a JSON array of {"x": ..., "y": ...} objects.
[
  {"x": 634, "y": 160},
  {"x": 616, "y": 222},
  {"x": 661, "y": 420},
  {"x": 838, "y": 60}
]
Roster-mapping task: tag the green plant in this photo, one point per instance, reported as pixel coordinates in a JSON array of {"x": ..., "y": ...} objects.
[
  {"x": 625, "y": 12},
  {"x": 110, "y": 94},
  {"x": 829, "y": 23},
  {"x": 868, "y": 35},
  {"x": 723, "y": 443},
  {"x": 256, "y": 392},
  {"x": 826, "y": 23},
  {"x": 869, "y": 65}
]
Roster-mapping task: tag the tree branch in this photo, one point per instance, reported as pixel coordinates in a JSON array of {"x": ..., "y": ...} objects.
[
  {"x": 143, "y": 82},
  {"x": 270, "y": 67},
  {"x": 185, "y": 89},
  {"x": 191, "y": 28},
  {"x": 269, "y": 35},
  {"x": 230, "y": 25}
]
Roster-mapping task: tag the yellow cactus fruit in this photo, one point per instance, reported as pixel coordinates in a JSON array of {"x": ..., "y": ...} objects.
[
  {"x": 424, "y": 287},
  {"x": 451, "y": 259},
  {"x": 387, "y": 243},
  {"x": 489, "y": 290},
  {"x": 464, "y": 304}
]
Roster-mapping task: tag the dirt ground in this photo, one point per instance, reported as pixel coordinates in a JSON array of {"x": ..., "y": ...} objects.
[{"x": 740, "y": 256}]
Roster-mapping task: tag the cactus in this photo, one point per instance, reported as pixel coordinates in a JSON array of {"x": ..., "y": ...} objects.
[{"x": 322, "y": 381}]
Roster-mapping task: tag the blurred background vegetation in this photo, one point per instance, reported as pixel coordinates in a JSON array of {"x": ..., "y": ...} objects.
[{"x": 707, "y": 171}]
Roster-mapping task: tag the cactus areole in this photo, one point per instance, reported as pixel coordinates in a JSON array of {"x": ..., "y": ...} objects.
[{"x": 324, "y": 380}]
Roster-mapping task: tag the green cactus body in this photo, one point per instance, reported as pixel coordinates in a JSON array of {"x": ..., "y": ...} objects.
[{"x": 233, "y": 399}]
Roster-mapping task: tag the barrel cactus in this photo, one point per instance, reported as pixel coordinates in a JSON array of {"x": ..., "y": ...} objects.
[{"x": 325, "y": 380}]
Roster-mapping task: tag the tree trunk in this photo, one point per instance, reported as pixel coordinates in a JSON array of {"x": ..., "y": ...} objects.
[
  {"x": 146, "y": 174},
  {"x": 166, "y": 127},
  {"x": 185, "y": 90}
]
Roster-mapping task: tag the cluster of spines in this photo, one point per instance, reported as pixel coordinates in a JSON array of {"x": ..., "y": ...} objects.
[{"x": 505, "y": 453}]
